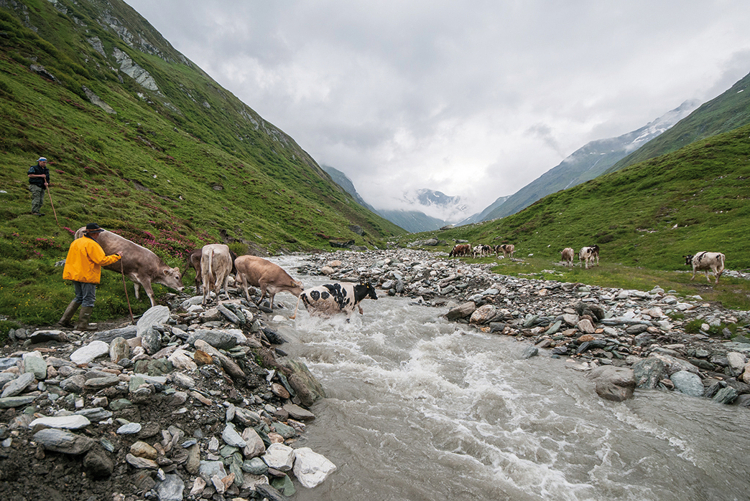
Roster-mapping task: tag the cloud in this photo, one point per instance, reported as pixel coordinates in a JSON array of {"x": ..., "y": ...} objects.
[{"x": 472, "y": 100}]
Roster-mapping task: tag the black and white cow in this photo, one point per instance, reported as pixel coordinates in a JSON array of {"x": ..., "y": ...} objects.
[
  {"x": 588, "y": 255},
  {"x": 330, "y": 299},
  {"x": 705, "y": 261}
]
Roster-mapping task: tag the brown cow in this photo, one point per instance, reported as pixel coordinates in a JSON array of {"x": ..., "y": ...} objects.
[
  {"x": 216, "y": 263},
  {"x": 194, "y": 261},
  {"x": 567, "y": 256},
  {"x": 460, "y": 250},
  {"x": 506, "y": 249},
  {"x": 140, "y": 265},
  {"x": 270, "y": 277}
]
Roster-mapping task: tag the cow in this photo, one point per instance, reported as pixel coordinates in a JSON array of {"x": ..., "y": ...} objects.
[
  {"x": 330, "y": 299},
  {"x": 460, "y": 250},
  {"x": 270, "y": 277},
  {"x": 194, "y": 261},
  {"x": 216, "y": 263},
  {"x": 588, "y": 254},
  {"x": 706, "y": 261},
  {"x": 141, "y": 266},
  {"x": 567, "y": 256},
  {"x": 483, "y": 250},
  {"x": 506, "y": 249}
]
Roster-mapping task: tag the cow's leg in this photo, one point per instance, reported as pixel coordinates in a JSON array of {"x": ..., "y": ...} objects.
[
  {"x": 359, "y": 306},
  {"x": 149, "y": 292},
  {"x": 296, "y": 308},
  {"x": 136, "y": 286},
  {"x": 263, "y": 294},
  {"x": 707, "y": 277},
  {"x": 226, "y": 286},
  {"x": 243, "y": 279}
]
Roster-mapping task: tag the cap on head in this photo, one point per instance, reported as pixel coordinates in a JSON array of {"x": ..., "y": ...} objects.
[
  {"x": 42, "y": 159},
  {"x": 93, "y": 228}
]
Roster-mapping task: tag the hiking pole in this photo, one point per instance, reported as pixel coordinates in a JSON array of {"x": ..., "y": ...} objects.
[
  {"x": 122, "y": 270},
  {"x": 49, "y": 192}
]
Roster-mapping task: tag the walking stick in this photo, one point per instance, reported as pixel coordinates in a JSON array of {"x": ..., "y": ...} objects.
[
  {"x": 49, "y": 192},
  {"x": 122, "y": 270}
]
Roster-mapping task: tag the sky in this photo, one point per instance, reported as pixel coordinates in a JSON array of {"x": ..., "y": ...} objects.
[{"x": 473, "y": 99}]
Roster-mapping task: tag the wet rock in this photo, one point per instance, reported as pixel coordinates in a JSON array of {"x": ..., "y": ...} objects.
[
  {"x": 613, "y": 383},
  {"x": 297, "y": 412},
  {"x": 307, "y": 388},
  {"x": 648, "y": 372},
  {"x": 529, "y": 351},
  {"x": 687, "y": 383},
  {"x": 462, "y": 311},
  {"x": 736, "y": 362},
  {"x": 483, "y": 314},
  {"x": 726, "y": 395}
]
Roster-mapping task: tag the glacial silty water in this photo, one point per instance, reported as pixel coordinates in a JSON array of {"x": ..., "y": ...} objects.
[{"x": 419, "y": 408}]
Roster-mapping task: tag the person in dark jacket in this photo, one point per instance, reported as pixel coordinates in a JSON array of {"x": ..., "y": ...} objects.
[
  {"x": 38, "y": 182},
  {"x": 84, "y": 267}
]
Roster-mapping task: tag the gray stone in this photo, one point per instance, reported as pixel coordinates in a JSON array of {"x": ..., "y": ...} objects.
[
  {"x": 8, "y": 362},
  {"x": 483, "y": 314},
  {"x": 648, "y": 372},
  {"x": 98, "y": 383},
  {"x": 725, "y": 395},
  {"x": 171, "y": 488},
  {"x": 298, "y": 413},
  {"x": 34, "y": 362},
  {"x": 613, "y": 383},
  {"x": 687, "y": 383},
  {"x": 255, "y": 466},
  {"x": 63, "y": 441},
  {"x": 89, "y": 352},
  {"x": 228, "y": 314},
  {"x": 217, "y": 338},
  {"x": 279, "y": 457},
  {"x": 44, "y": 336},
  {"x": 98, "y": 464},
  {"x": 529, "y": 351},
  {"x": 73, "y": 422},
  {"x": 95, "y": 414},
  {"x": 73, "y": 384},
  {"x": 128, "y": 332},
  {"x": 18, "y": 385},
  {"x": 231, "y": 437},
  {"x": 254, "y": 445},
  {"x": 208, "y": 469},
  {"x": 129, "y": 429},
  {"x": 156, "y": 315},
  {"x": 462, "y": 311},
  {"x": 119, "y": 349},
  {"x": 736, "y": 363},
  {"x": 8, "y": 402},
  {"x": 151, "y": 340},
  {"x": 141, "y": 463},
  {"x": 636, "y": 329}
]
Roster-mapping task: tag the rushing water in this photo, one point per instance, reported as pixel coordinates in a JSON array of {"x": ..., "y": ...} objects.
[{"x": 419, "y": 408}]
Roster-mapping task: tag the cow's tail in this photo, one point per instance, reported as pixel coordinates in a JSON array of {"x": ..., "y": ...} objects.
[{"x": 210, "y": 263}]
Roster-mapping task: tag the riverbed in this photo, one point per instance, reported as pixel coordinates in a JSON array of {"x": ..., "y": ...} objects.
[{"x": 420, "y": 408}]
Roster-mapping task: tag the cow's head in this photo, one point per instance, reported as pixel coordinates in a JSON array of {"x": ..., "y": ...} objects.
[
  {"x": 688, "y": 259},
  {"x": 171, "y": 277},
  {"x": 367, "y": 288}
]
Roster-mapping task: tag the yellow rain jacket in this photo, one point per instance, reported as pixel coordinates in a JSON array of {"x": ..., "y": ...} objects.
[{"x": 85, "y": 260}]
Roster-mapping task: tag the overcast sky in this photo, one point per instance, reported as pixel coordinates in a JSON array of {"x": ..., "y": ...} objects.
[{"x": 474, "y": 99}]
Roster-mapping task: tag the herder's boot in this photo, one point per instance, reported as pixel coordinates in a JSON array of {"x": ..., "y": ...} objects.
[
  {"x": 65, "y": 321},
  {"x": 83, "y": 319}
]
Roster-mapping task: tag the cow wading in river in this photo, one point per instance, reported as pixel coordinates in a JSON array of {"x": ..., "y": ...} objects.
[
  {"x": 270, "y": 277},
  {"x": 330, "y": 299},
  {"x": 139, "y": 264}
]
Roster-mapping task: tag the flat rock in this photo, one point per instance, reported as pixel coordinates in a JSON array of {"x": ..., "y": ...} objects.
[
  {"x": 687, "y": 383},
  {"x": 73, "y": 422},
  {"x": 43, "y": 336},
  {"x": 297, "y": 412},
  {"x": 156, "y": 315},
  {"x": 18, "y": 385},
  {"x": 9, "y": 402},
  {"x": 63, "y": 441},
  {"x": 89, "y": 352}
]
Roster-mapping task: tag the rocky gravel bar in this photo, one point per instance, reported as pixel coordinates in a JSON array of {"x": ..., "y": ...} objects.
[
  {"x": 624, "y": 339},
  {"x": 198, "y": 402}
]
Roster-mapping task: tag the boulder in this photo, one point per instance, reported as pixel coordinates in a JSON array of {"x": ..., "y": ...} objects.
[
  {"x": 279, "y": 457},
  {"x": 18, "y": 385},
  {"x": 687, "y": 383},
  {"x": 613, "y": 383},
  {"x": 648, "y": 372},
  {"x": 462, "y": 311},
  {"x": 483, "y": 314},
  {"x": 63, "y": 441},
  {"x": 311, "y": 468},
  {"x": 156, "y": 315},
  {"x": 119, "y": 349}
]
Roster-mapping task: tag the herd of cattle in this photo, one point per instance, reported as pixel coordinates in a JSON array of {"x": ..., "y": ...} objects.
[
  {"x": 214, "y": 263},
  {"x": 703, "y": 261}
]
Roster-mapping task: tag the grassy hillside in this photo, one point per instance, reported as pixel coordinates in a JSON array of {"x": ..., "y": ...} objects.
[
  {"x": 646, "y": 216},
  {"x": 172, "y": 168},
  {"x": 722, "y": 114}
]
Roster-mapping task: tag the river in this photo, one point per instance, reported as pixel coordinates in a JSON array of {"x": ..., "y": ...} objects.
[{"x": 419, "y": 408}]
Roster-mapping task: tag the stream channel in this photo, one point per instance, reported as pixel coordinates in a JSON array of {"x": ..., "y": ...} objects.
[{"x": 419, "y": 408}]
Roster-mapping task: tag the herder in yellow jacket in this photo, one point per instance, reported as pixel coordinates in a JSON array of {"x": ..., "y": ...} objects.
[{"x": 84, "y": 267}]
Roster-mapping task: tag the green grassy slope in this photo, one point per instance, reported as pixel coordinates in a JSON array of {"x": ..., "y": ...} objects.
[
  {"x": 724, "y": 113},
  {"x": 645, "y": 216},
  {"x": 173, "y": 169}
]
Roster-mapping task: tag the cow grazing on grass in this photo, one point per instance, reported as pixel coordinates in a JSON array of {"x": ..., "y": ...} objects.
[
  {"x": 139, "y": 264},
  {"x": 216, "y": 263},
  {"x": 589, "y": 254},
  {"x": 567, "y": 256},
  {"x": 706, "y": 261},
  {"x": 460, "y": 250},
  {"x": 506, "y": 249},
  {"x": 270, "y": 277},
  {"x": 482, "y": 250},
  {"x": 330, "y": 299},
  {"x": 194, "y": 261}
]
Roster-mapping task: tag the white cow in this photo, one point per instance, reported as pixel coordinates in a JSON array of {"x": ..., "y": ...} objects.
[
  {"x": 216, "y": 264},
  {"x": 705, "y": 261},
  {"x": 567, "y": 256},
  {"x": 588, "y": 254}
]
